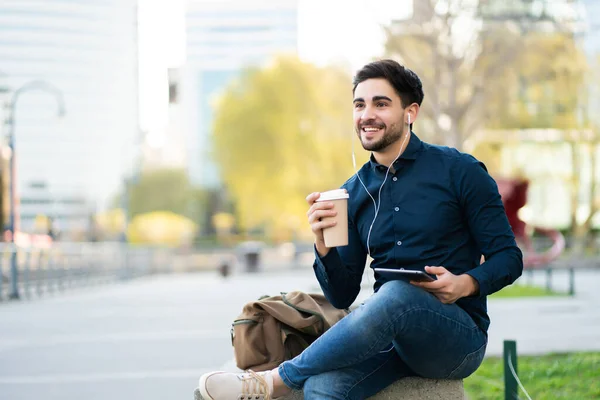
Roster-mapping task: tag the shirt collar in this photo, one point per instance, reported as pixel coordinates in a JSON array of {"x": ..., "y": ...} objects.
[{"x": 412, "y": 151}]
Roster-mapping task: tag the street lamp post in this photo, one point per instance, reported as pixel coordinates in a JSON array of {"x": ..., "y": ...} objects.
[
  {"x": 11, "y": 122},
  {"x": 3, "y": 89}
]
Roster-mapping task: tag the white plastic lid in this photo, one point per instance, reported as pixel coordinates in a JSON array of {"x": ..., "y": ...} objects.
[{"x": 335, "y": 194}]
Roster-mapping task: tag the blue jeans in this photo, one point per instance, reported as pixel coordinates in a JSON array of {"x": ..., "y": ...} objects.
[{"x": 400, "y": 331}]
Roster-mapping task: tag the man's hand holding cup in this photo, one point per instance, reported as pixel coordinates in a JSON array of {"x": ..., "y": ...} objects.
[{"x": 328, "y": 219}]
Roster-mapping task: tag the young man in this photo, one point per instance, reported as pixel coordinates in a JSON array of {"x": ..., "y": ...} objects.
[{"x": 413, "y": 206}]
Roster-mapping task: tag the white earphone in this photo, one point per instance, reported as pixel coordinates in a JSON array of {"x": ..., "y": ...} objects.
[{"x": 377, "y": 204}]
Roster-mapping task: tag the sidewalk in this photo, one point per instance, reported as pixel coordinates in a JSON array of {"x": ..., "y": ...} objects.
[
  {"x": 152, "y": 338},
  {"x": 550, "y": 324}
]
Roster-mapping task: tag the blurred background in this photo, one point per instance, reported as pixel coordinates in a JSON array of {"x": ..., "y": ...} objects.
[
  {"x": 140, "y": 138},
  {"x": 192, "y": 123}
]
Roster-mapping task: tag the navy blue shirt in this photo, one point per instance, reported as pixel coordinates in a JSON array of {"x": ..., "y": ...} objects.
[{"x": 439, "y": 207}]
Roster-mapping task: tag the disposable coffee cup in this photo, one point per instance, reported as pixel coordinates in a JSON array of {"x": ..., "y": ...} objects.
[{"x": 336, "y": 235}]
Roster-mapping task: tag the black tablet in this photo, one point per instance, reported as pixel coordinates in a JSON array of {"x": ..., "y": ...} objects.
[{"x": 404, "y": 274}]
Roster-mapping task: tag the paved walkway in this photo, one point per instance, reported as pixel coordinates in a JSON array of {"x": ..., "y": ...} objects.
[
  {"x": 152, "y": 338},
  {"x": 551, "y": 324},
  {"x": 148, "y": 339}
]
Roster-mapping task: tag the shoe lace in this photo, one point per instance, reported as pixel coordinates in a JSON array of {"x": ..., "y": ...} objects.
[{"x": 254, "y": 384}]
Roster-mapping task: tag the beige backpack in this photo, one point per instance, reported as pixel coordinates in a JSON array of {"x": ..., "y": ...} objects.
[{"x": 274, "y": 329}]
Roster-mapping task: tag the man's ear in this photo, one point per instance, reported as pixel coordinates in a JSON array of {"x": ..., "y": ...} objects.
[{"x": 412, "y": 112}]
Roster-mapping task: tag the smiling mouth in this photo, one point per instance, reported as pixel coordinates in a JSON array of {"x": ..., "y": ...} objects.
[{"x": 370, "y": 129}]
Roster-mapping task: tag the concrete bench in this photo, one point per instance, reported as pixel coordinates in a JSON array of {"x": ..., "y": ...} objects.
[
  {"x": 407, "y": 389},
  {"x": 414, "y": 389}
]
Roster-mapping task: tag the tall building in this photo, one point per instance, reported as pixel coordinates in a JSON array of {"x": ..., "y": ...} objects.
[
  {"x": 223, "y": 37},
  {"x": 167, "y": 148},
  {"x": 87, "y": 50}
]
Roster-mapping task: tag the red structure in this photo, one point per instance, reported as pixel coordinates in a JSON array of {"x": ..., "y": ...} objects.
[{"x": 514, "y": 197}]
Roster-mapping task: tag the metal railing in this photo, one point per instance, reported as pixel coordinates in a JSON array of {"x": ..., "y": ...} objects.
[
  {"x": 41, "y": 270},
  {"x": 63, "y": 266}
]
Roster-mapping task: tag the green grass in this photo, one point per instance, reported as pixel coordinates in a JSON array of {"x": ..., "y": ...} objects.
[
  {"x": 524, "y": 291},
  {"x": 574, "y": 376}
]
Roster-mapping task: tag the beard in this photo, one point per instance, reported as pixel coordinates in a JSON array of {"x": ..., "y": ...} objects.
[{"x": 390, "y": 136}]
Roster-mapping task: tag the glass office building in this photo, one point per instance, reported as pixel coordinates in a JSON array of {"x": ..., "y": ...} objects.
[
  {"x": 222, "y": 38},
  {"x": 87, "y": 50}
]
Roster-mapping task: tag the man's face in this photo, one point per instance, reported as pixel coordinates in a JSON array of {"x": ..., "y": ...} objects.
[{"x": 378, "y": 114}]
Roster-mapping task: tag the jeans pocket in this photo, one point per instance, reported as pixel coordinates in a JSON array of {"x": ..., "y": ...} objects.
[{"x": 469, "y": 364}]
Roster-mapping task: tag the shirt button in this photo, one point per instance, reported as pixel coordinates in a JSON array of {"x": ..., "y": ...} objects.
[
  {"x": 399, "y": 243},
  {"x": 396, "y": 209},
  {"x": 394, "y": 179}
]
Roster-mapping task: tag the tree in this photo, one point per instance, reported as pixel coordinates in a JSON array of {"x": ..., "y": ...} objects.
[
  {"x": 165, "y": 190},
  {"x": 547, "y": 88},
  {"x": 280, "y": 133},
  {"x": 496, "y": 64},
  {"x": 161, "y": 228},
  {"x": 544, "y": 87},
  {"x": 459, "y": 49}
]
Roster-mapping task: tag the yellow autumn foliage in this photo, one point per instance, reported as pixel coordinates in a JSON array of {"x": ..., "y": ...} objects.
[{"x": 161, "y": 228}]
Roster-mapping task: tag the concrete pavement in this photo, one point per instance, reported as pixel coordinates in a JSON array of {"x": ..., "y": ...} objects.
[
  {"x": 550, "y": 324},
  {"x": 148, "y": 339},
  {"x": 153, "y": 337}
]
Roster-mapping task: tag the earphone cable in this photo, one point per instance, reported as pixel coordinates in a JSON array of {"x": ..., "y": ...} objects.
[{"x": 376, "y": 204}]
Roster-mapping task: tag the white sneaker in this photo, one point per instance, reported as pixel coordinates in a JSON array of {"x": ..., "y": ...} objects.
[{"x": 230, "y": 386}]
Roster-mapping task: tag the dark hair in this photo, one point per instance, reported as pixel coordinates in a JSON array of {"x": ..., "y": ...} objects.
[{"x": 406, "y": 83}]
